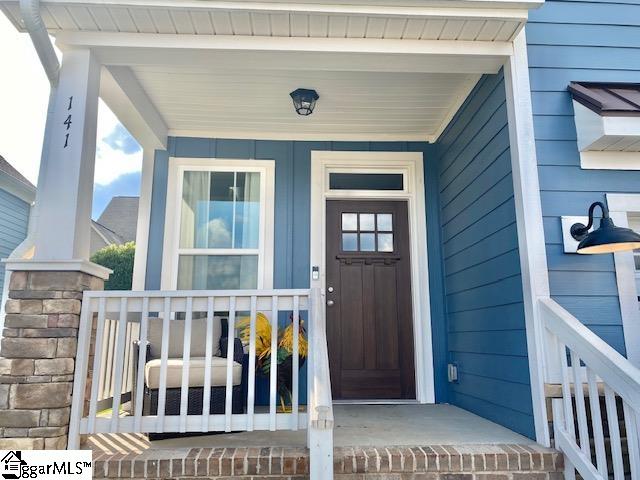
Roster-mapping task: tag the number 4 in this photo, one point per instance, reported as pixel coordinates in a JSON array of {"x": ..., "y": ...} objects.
[{"x": 67, "y": 122}]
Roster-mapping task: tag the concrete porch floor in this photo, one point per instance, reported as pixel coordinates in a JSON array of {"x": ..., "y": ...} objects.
[{"x": 355, "y": 425}]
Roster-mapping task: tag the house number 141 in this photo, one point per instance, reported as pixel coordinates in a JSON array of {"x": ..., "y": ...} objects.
[{"x": 67, "y": 122}]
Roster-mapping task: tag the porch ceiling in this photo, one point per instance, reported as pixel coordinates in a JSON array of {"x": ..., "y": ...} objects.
[{"x": 254, "y": 103}]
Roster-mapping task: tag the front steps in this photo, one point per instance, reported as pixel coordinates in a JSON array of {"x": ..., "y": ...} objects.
[{"x": 460, "y": 462}]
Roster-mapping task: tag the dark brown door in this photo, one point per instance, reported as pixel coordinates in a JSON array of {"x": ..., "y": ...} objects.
[{"x": 369, "y": 313}]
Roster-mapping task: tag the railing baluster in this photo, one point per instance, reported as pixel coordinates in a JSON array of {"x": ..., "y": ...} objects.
[
  {"x": 206, "y": 396},
  {"x": 614, "y": 433},
  {"x": 142, "y": 361},
  {"x": 581, "y": 412},
  {"x": 296, "y": 361},
  {"x": 97, "y": 366},
  {"x": 633, "y": 446},
  {"x": 252, "y": 364},
  {"x": 596, "y": 423},
  {"x": 566, "y": 392},
  {"x": 111, "y": 347},
  {"x": 273, "y": 374},
  {"x": 228, "y": 405},
  {"x": 186, "y": 360},
  {"x": 164, "y": 353},
  {"x": 119, "y": 366}
]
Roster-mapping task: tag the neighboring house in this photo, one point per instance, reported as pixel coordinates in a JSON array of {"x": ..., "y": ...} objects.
[
  {"x": 116, "y": 225},
  {"x": 16, "y": 197},
  {"x": 412, "y": 217}
]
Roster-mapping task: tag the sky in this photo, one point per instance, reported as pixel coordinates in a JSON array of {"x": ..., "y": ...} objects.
[{"x": 24, "y": 93}]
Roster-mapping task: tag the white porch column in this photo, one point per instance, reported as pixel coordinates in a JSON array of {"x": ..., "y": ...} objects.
[{"x": 65, "y": 184}]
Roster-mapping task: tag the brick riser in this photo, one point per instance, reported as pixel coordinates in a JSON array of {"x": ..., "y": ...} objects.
[{"x": 481, "y": 462}]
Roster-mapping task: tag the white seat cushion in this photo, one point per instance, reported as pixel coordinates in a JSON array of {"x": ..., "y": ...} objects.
[{"x": 196, "y": 372}]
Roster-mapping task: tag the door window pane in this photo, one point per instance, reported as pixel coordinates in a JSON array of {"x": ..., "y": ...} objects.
[
  {"x": 349, "y": 221},
  {"x": 367, "y": 222},
  {"x": 217, "y": 272},
  {"x": 385, "y": 242},
  {"x": 350, "y": 242},
  {"x": 385, "y": 222},
  {"x": 367, "y": 242},
  {"x": 366, "y": 181}
]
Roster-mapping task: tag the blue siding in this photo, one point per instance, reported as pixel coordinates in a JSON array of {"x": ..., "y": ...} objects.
[
  {"x": 485, "y": 311},
  {"x": 292, "y": 208},
  {"x": 14, "y": 220},
  {"x": 579, "y": 41}
]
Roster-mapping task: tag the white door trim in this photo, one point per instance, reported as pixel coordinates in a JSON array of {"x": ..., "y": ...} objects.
[{"x": 411, "y": 165}]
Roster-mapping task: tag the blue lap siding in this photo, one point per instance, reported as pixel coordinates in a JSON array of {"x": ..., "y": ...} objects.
[
  {"x": 579, "y": 41},
  {"x": 485, "y": 311},
  {"x": 14, "y": 220}
]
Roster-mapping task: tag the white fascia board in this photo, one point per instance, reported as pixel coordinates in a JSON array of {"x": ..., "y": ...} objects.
[
  {"x": 121, "y": 91},
  {"x": 26, "y": 193}
]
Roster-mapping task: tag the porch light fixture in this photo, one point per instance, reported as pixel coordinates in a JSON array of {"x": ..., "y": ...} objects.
[
  {"x": 304, "y": 100},
  {"x": 607, "y": 238}
]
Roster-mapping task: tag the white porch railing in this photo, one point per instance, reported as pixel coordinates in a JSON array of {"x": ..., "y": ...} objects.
[
  {"x": 594, "y": 362},
  {"x": 108, "y": 372}
]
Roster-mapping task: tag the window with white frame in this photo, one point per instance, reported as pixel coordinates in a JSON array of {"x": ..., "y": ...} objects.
[{"x": 221, "y": 228}]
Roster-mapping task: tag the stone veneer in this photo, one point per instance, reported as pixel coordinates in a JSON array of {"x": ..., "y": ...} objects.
[
  {"x": 37, "y": 357},
  {"x": 434, "y": 462}
]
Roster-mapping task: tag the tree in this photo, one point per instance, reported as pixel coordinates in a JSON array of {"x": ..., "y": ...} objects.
[{"x": 118, "y": 258}]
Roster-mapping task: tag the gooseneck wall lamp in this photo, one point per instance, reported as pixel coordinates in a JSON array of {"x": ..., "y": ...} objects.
[{"x": 607, "y": 238}]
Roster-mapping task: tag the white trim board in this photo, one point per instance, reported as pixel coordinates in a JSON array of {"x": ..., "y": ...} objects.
[
  {"x": 531, "y": 244},
  {"x": 620, "y": 204},
  {"x": 411, "y": 165},
  {"x": 172, "y": 224}
]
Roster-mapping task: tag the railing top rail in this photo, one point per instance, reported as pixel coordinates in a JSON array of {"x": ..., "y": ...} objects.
[
  {"x": 599, "y": 356},
  {"x": 196, "y": 293}
]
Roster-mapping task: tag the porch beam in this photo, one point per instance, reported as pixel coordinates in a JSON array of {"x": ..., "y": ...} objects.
[
  {"x": 284, "y": 44},
  {"x": 65, "y": 182},
  {"x": 122, "y": 92}
]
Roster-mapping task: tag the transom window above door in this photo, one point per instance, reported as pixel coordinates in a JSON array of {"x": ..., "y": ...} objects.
[
  {"x": 367, "y": 232},
  {"x": 221, "y": 230}
]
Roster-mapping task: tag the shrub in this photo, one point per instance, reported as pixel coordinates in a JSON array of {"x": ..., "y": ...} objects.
[{"x": 118, "y": 258}]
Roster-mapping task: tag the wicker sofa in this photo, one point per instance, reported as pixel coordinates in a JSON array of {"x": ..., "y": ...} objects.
[{"x": 196, "y": 371}]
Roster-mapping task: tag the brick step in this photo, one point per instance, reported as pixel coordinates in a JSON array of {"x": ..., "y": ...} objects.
[{"x": 460, "y": 462}]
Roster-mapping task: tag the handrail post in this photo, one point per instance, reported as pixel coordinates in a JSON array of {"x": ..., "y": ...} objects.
[{"x": 320, "y": 416}]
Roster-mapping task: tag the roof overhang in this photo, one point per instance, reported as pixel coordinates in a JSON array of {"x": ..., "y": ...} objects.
[{"x": 288, "y": 40}]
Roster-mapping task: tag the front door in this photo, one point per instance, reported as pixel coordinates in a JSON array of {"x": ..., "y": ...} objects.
[{"x": 369, "y": 310}]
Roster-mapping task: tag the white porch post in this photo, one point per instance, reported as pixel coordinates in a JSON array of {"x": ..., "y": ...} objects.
[{"x": 65, "y": 187}]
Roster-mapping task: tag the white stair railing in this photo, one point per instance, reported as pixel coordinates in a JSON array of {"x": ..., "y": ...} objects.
[
  {"x": 586, "y": 359},
  {"x": 137, "y": 311}
]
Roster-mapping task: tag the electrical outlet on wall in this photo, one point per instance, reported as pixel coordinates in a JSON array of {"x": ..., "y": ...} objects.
[{"x": 452, "y": 372}]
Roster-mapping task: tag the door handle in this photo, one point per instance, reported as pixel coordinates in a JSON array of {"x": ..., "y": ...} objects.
[{"x": 330, "y": 303}]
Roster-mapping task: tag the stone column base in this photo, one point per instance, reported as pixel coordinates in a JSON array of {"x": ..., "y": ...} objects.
[{"x": 37, "y": 357}]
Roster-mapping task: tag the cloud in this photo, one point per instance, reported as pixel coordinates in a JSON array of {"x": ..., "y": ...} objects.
[
  {"x": 120, "y": 139},
  {"x": 117, "y": 153},
  {"x": 124, "y": 185}
]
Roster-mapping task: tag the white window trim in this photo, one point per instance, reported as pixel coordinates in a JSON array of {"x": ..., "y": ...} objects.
[
  {"x": 620, "y": 204},
  {"x": 177, "y": 167},
  {"x": 410, "y": 165}
]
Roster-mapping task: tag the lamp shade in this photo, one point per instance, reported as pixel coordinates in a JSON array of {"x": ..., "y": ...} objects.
[
  {"x": 304, "y": 100},
  {"x": 609, "y": 239}
]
